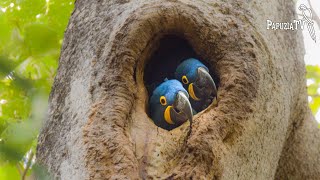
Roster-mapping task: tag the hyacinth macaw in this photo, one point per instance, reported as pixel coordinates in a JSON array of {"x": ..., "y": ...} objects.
[
  {"x": 196, "y": 79},
  {"x": 169, "y": 105}
]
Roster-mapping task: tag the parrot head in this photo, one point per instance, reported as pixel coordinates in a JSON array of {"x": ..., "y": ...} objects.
[
  {"x": 169, "y": 105},
  {"x": 195, "y": 78}
]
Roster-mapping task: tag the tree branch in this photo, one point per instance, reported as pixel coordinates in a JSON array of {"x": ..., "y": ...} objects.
[{"x": 28, "y": 166}]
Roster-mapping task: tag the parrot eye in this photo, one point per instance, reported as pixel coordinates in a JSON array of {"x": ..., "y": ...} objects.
[
  {"x": 163, "y": 100},
  {"x": 185, "y": 80}
]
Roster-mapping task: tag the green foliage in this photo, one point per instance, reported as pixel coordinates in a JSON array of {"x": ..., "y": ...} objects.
[
  {"x": 313, "y": 82},
  {"x": 31, "y": 33},
  {"x": 9, "y": 172}
]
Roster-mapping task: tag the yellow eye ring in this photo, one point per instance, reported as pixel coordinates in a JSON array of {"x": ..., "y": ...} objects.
[
  {"x": 185, "y": 80},
  {"x": 163, "y": 100}
]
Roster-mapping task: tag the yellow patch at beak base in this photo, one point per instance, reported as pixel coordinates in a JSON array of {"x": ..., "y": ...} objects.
[
  {"x": 191, "y": 92},
  {"x": 167, "y": 116}
]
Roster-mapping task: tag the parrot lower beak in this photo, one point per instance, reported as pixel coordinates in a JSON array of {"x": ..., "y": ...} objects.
[
  {"x": 203, "y": 87},
  {"x": 181, "y": 110}
]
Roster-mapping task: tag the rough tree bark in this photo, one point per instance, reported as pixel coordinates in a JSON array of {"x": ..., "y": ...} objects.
[{"x": 262, "y": 128}]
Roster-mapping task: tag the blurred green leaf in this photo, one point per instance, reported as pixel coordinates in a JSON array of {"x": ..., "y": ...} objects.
[
  {"x": 41, "y": 39},
  {"x": 313, "y": 84},
  {"x": 315, "y": 104},
  {"x": 31, "y": 33},
  {"x": 41, "y": 173},
  {"x": 5, "y": 30},
  {"x": 9, "y": 172},
  {"x": 6, "y": 66}
]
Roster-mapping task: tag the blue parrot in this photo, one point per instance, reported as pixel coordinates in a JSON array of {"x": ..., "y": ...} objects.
[
  {"x": 169, "y": 105},
  {"x": 196, "y": 79}
]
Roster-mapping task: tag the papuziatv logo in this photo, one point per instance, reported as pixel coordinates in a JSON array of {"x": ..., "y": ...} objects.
[{"x": 297, "y": 24}]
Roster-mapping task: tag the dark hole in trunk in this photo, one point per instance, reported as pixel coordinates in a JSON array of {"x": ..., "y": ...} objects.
[
  {"x": 163, "y": 62},
  {"x": 172, "y": 50}
]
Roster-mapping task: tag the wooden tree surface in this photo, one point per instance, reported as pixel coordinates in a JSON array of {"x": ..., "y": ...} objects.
[{"x": 98, "y": 127}]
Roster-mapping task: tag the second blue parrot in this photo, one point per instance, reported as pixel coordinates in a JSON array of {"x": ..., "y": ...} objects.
[{"x": 196, "y": 79}]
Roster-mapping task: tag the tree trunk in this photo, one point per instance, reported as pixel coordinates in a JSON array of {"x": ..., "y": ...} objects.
[{"x": 98, "y": 125}]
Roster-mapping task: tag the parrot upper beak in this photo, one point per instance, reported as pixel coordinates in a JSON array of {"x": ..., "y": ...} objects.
[
  {"x": 181, "y": 111},
  {"x": 203, "y": 87}
]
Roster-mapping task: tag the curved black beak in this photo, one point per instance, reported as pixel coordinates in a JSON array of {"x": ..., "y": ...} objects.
[
  {"x": 181, "y": 110},
  {"x": 204, "y": 87}
]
